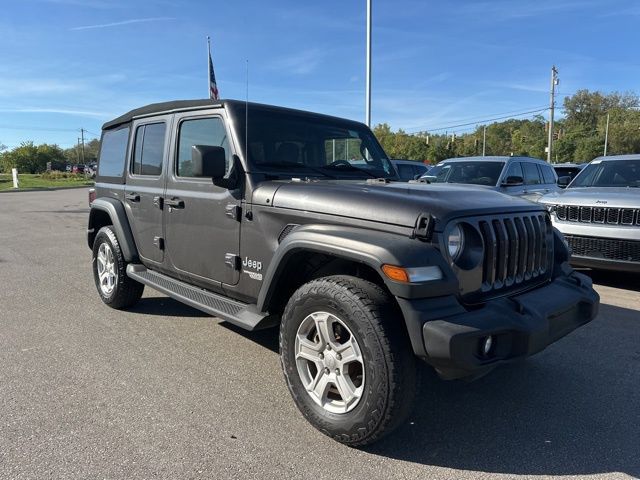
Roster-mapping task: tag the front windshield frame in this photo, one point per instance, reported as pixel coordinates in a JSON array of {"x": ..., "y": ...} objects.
[
  {"x": 599, "y": 174},
  {"x": 306, "y": 135},
  {"x": 434, "y": 173}
]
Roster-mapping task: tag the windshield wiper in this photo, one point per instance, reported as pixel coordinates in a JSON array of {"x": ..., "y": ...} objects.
[
  {"x": 294, "y": 166},
  {"x": 351, "y": 167}
]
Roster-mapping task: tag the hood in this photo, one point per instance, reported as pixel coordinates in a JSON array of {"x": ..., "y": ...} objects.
[
  {"x": 395, "y": 203},
  {"x": 618, "y": 197}
]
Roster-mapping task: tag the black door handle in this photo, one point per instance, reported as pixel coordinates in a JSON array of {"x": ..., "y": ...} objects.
[
  {"x": 134, "y": 197},
  {"x": 174, "y": 203}
]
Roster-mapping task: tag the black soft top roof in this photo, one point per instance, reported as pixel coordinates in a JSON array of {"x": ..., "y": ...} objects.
[
  {"x": 159, "y": 107},
  {"x": 237, "y": 106}
]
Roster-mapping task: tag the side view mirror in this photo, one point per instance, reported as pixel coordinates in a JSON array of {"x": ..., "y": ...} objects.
[
  {"x": 208, "y": 161},
  {"x": 429, "y": 178},
  {"x": 513, "y": 181},
  {"x": 564, "y": 181}
]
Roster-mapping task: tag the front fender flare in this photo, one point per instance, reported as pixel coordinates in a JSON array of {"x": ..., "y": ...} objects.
[{"x": 372, "y": 248}]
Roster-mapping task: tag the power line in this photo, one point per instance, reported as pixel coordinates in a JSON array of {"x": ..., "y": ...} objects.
[
  {"x": 480, "y": 119},
  {"x": 486, "y": 120}
]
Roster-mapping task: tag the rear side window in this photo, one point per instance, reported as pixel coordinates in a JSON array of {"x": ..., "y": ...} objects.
[
  {"x": 531, "y": 174},
  {"x": 547, "y": 174},
  {"x": 149, "y": 150},
  {"x": 419, "y": 169},
  {"x": 113, "y": 150}
]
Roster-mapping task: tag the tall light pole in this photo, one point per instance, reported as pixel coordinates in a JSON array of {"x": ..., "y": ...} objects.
[
  {"x": 552, "y": 106},
  {"x": 368, "y": 87},
  {"x": 606, "y": 136}
]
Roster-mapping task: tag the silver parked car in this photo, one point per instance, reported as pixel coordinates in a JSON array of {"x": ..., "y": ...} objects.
[
  {"x": 599, "y": 214},
  {"x": 522, "y": 176}
]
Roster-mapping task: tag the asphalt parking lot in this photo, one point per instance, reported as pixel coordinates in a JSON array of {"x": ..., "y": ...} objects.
[{"x": 164, "y": 391}]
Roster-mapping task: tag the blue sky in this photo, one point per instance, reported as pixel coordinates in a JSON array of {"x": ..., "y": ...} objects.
[{"x": 66, "y": 64}]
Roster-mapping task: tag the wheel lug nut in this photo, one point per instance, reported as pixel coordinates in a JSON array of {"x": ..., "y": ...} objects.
[
  {"x": 327, "y": 371},
  {"x": 337, "y": 371},
  {"x": 328, "y": 347},
  {"x": 321, "y": 356},
  {"x": 339, "y": 357}
]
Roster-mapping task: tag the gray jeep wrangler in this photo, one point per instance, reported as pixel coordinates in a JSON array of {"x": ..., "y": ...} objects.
[{"x": 265, "y": 216}]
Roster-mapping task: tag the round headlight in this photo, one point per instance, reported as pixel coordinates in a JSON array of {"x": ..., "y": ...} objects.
[{"x": 455, "y": 242}]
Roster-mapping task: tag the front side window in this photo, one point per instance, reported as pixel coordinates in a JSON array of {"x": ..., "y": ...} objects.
[
  {"x": 471, "y": 172},
  {"x": 515, "y": 170},
  {"x": 199, "y": 131},
  {"x": 531, "y": 174},
  {"x": 149, "y": 149},
  {"x": 113, "y": 151},
  {"x": 617, "y": 173}
]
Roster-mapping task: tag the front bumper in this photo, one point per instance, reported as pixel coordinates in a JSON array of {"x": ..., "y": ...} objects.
[{"x": 521, "y": 325}]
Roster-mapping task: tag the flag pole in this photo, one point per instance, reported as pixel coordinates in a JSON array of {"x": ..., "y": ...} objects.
[{"x": 208, "y": 67}]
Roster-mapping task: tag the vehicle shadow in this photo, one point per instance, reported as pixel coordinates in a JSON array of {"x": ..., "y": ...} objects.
[
  {"x": 267, "y": 338},
  {"x": 572, "y": 410},
  {"x": 165, "y": 306},
  {"x": 624, "y": 280}
]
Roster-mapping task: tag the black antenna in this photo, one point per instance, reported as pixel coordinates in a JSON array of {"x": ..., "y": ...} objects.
[{"x": 246, "y": 120}]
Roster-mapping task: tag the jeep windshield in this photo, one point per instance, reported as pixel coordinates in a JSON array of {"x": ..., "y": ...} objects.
[
  {"x": 614, "y": 173},
  {"x": 286, "y": 144},
  {"x": 472, "y": 172}
]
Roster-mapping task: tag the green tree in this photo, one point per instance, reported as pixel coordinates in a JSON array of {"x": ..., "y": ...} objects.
[{"x": 30, "y": 158}]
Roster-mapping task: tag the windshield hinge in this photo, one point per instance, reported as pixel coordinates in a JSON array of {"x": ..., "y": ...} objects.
[{"x": 377, "y": 180}]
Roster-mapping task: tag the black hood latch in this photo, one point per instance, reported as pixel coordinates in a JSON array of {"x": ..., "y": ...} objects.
[{"x": 424, "y": 227}]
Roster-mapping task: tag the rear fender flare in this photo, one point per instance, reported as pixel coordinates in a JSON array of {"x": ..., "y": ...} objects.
[{"x": 121, "y": 227}]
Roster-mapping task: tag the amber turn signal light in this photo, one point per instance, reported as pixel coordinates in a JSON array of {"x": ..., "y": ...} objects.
[{"x": 398, "y": 274}]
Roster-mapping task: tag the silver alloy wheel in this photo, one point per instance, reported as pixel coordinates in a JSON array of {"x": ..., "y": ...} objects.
[
  {"x": 329, "y": 362},
  {"x": 107, "y": 273}
]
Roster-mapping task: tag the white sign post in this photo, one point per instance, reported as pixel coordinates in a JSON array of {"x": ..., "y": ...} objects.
[{"x": 14, "y": 172}]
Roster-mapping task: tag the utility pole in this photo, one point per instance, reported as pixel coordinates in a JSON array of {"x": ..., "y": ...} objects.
[
  {"x": 82, "y": 135},
  {"x": 78, "y": 151},
  {"x": 368, "y": 82},
  {"x": 552, "y": 106},
  {"x": 606, "y": 136},
  {"x": 484, "y": 140}
]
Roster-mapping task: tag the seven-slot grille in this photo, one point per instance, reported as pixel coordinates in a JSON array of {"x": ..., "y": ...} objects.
[
  {"x": 517, "y": 249},
  {"x": 608, "y": 215},
  {"x": 608, "y": 248}
]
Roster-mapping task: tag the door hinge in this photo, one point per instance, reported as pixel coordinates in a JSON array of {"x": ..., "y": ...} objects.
[
  {"x": 233, "y": 211},
  {"x": 158, "y": 242},
  {"x": 157, "y": 202},
  {"x": 233, "y": 261}
]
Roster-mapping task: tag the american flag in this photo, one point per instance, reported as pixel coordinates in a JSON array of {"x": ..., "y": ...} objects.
[{"x": 213, "y": 86}]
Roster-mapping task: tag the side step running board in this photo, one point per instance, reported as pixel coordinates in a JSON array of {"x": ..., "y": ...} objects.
[{"x": 241, "y": 314}]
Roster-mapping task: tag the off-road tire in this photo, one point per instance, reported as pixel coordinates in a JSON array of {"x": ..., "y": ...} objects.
[
  {"x": 389, "y": 364},
  {"x": 126, "y": 291}
]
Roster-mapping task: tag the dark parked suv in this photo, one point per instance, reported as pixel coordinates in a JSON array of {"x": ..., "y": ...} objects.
[{"x": 257, "y": 215}]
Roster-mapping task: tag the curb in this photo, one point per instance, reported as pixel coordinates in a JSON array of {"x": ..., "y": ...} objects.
[{"x": 44, "y": 189}]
